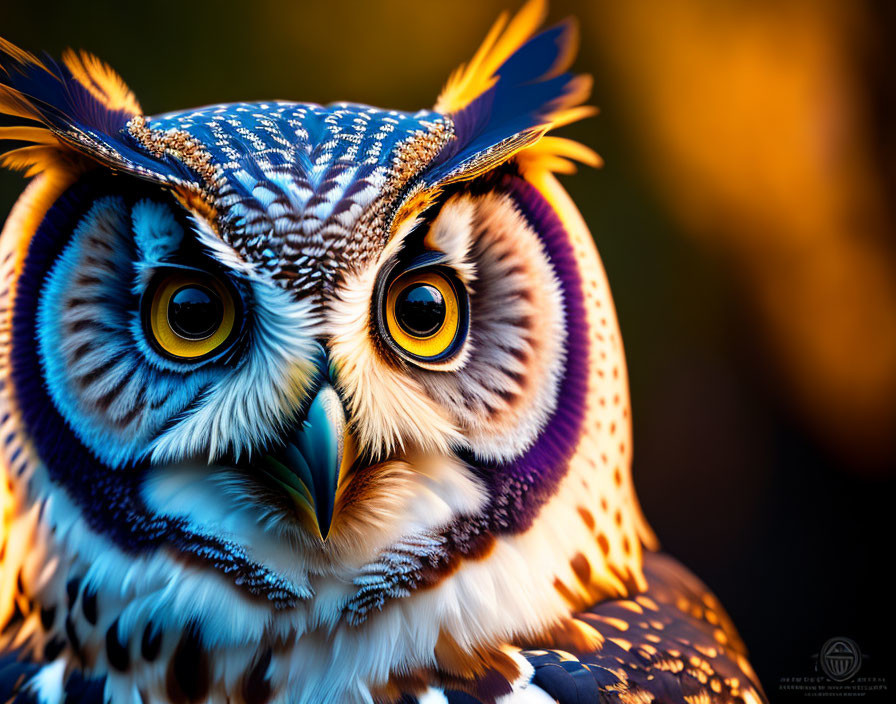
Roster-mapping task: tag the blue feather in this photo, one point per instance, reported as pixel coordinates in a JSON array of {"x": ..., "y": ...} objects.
[
  {"x": 531, "y": 86},
  {"x": 48, "y": 92}
]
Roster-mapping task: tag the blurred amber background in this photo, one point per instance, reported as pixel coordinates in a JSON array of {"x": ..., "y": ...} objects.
[{"x": 746, "y": 219}]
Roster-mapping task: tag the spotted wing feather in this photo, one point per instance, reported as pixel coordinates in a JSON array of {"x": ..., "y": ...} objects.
[{"x": 672, "y": 644}]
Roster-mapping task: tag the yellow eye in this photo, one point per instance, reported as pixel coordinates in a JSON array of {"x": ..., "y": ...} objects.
[
  {"x": 191, "y": 314},
  {"x": 423, "y": 313}
]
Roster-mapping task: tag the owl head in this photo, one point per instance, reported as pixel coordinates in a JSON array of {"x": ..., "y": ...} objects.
[{"x": 313, "y": 395}]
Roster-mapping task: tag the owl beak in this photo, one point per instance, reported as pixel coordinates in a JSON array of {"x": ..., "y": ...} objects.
[
  {"x": 310, "y": 463},
  {"x": 322, "y": 443}
]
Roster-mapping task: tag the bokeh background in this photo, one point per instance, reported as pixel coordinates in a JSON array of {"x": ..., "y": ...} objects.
[{"x": 746, "y": 219}]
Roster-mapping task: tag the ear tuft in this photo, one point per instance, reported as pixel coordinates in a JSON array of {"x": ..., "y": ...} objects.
[
  {"x": 471, "y": 80},
  {"x": 74, "y": 109},
  {"x": 514, "y": 90},
  {"x": 76, "y": 113}
]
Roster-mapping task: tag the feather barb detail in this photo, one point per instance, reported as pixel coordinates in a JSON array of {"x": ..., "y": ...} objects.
[
  {"x": 101, "y": 81},
  {"x": 474, "y": 78}
]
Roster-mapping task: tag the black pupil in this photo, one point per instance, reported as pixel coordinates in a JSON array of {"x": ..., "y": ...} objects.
[
  {"x": 420, "y": 310},
  {"x": 195, "y": 312}
]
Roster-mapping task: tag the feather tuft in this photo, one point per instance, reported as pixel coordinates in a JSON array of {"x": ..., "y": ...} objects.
[
  {"x": 101, "y": 81},
  {"x": 471, "y": 80},
  {"x": 31, "y": 160},
  {"x": 77, "y": 101},
  {"x": 514, "y": 90},
  {"x": 20, "y": 56},
  {"x": 557, "y": 155},
  {"x": 74, "y": 112}
]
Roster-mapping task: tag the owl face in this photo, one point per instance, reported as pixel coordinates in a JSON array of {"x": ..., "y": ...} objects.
[
  {"x": 316, "y": 384},
  {"x": 300, "y": 361}
]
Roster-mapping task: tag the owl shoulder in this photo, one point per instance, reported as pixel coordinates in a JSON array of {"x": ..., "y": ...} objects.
[
  {"x": 674, "y": 643},
  {"x": 671, "y": 644}
]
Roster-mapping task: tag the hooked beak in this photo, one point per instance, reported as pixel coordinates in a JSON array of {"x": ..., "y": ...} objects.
[{"x": 309, "y": 464}]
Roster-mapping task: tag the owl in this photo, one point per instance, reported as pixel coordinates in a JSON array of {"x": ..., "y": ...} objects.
[{"x": 324, "y": 404}]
